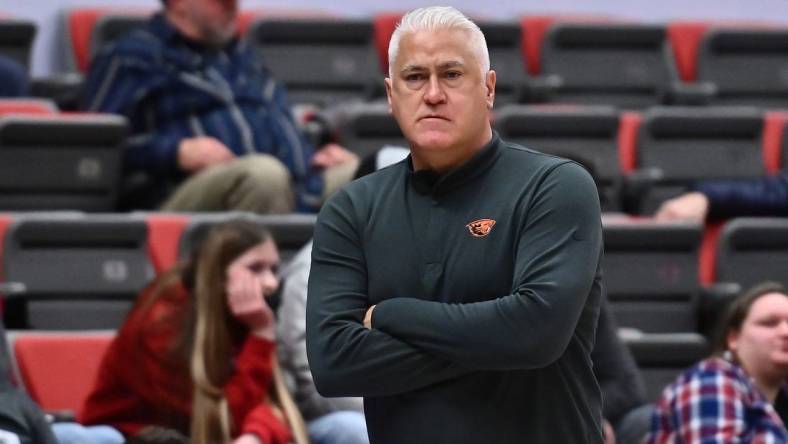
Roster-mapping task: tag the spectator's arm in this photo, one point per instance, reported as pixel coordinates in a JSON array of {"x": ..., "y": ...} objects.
[
  {"x": 765, "y": 196},
  {"x": 115, "y": 84}
]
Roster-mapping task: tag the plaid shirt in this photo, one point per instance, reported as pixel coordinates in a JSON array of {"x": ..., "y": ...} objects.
[
  {"x": 715, "y": 402},
  {"x": 171, "y": 88}
]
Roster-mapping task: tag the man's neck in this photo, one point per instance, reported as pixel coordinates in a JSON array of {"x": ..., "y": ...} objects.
[
  {"x": 445, "y": 161},
  {"x": 183, "y": 26}
]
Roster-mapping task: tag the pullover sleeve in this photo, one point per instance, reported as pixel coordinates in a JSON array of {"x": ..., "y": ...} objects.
[
  {"x": 346, "y": 358},
  {"x": 115, "y": 84},
  {"x": 249, "y": 384},
  {"x": 556, "y": 260},
  {"x": 764, "y": 196}
]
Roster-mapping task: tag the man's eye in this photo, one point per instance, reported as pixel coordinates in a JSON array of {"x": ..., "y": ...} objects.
[
  {"x": 453, "y": 75},
  {"x": 413, "y": 77}
]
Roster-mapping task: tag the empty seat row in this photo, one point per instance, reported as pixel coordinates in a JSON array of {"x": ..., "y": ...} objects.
[
  {"x": 76, "y": 271},
  {"x": 74, "y": 161},
  {"x": 55, "y": 259},
  {"x": 327, "y": 59},
  {"x": 639, "y": 159}
]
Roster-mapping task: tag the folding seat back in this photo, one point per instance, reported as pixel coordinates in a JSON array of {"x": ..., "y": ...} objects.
[
  {"x": 90, "y": 28},
  {"x": 585, "y": 133},
  {"x": 746, "y": 66},
  {"x": 504, "y": 40},
  {"x": 322, "y": 61},
  {"x": 752, "y": 250},
  {"x": 662, "y": 357},
  {"x": 627, "y": 65},
  {"x": 682, "y": 145},
  {"x": 58, "y": 370},
  {"x": 60, "y": 162},
  {"x": 78, "y": 272},
  {"x": 16, "y": 39},
  {"x": 290, "y": 231},
  {"x": 365, "y": 128},
  {"x": 651, "y": 274}
]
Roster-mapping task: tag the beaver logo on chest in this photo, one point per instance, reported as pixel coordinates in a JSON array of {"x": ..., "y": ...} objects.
[{"x": 481, "y": 227}]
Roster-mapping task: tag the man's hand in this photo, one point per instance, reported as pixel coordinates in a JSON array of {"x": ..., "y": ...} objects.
[
  {"x": 246, "y": 302},
  {"x": 687, "y": 207},
  {"x": 368, "y": 318},
  {"x": 330, "y": 155},
  {"x": 196, "y": 153}
]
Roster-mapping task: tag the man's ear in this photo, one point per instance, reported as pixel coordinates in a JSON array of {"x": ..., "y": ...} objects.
[
  {"x": 387, "y": 82},
  {"x": 489, "y": 81}
]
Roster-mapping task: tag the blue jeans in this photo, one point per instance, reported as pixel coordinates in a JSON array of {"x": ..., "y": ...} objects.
[
  {"x": 74, "y": 433},
  {"x": 345, "y": 427}
]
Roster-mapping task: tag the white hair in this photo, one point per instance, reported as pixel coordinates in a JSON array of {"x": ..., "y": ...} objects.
[{"x": 435, "y": 18}]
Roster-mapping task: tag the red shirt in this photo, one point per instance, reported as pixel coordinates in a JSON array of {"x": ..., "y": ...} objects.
[{"x": 142, "y": 383}]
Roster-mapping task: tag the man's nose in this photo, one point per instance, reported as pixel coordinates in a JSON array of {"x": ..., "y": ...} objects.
[{"x": 434, "y": 93}]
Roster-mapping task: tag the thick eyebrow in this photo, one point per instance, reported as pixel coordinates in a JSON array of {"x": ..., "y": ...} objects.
[{"x": 442, "y": 66}]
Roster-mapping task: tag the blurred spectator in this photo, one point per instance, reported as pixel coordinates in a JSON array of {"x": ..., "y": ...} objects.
[
  {"x": 330, "y": 420},
  {"x": 211, "y": 129},
  {"x": 197, "y": 354},
  {"x": 624, "y": 408},
  {"x": 21, "y": 420},
  {"x": 13, "y": 78},
  {"x": 721, "y": 199},
  {"x": 739, "y": 394}
]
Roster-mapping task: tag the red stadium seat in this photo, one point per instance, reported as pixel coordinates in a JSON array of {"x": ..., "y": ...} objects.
[
  {"x": 27, "y": 107},
  {"x": 534, "y": 29},
  {"x": 80, "y": 25},
  {"x": 58, "y": 369},
  {"x": 164, "y": 233},
  {"x": 385, "y": 24},
  {"x": 774, "y": 134}
]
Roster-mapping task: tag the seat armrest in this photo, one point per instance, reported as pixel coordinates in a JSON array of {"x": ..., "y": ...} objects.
[
  {"x": 693, "y": 94},
  {"x": 64, "y": 89}
]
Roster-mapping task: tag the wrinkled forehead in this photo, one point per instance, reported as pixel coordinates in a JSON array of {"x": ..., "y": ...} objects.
[{"x": 432, "y": 49}]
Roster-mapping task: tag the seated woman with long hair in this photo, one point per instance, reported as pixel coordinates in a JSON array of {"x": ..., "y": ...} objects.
[
  {"x": 740, "y": 395},
  {"x": 196, "y": 354}
]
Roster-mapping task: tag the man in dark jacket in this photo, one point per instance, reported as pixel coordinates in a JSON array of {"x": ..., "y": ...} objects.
[{"x": 458, "y": 290}]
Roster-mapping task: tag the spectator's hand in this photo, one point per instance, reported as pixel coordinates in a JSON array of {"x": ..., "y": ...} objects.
[
  {"x": 368, "y": 318},
  {"x": 687, "y": 207},
  {"x": 246, "y": 302},
  {"x": 610, "y": 435},
  {"x": 196, "y": 153},
  {"x": 247, "y": 438},
  {"x": 330, "y": 155}
]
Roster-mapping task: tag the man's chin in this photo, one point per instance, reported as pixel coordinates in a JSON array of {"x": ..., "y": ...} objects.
[{"x": 433, "y": 141}]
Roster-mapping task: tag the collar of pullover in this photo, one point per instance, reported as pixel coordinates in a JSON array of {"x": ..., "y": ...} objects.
[{"x": 430, "y": 182}]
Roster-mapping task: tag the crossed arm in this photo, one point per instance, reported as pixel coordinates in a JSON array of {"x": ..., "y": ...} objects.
[{"x": 416, "y": 343}]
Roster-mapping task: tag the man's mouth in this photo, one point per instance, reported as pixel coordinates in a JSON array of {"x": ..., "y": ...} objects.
[{"x": 433, "y": 116}]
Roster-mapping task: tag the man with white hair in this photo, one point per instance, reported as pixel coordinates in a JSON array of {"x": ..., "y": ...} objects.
[{"x": 458, "y": 291}]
